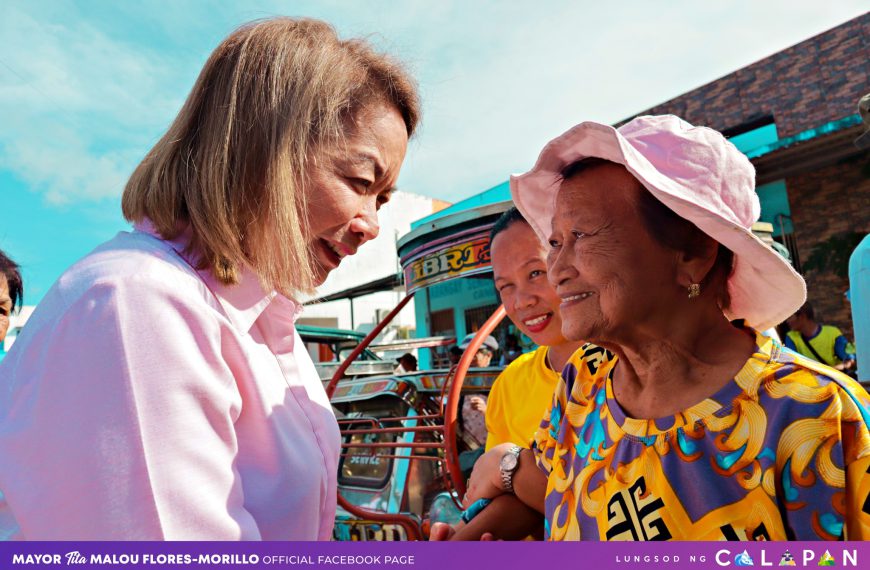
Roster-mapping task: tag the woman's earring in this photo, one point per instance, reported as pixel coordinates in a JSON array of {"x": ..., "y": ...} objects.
[{"x": 694, "y": 290}]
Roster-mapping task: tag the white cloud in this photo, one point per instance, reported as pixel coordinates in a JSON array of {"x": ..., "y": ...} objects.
[
  {"x": 81, "y": 104},
  {"x": 510, "y": 78},
  {"x": 79, "y": 108}
]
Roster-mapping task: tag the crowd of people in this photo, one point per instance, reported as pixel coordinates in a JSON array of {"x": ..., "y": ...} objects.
[{"x": 159, "y": 390}]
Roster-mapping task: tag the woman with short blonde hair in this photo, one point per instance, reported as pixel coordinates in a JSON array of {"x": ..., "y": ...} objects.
[
  {"x": 233, "y": 163},
  {"x": 160, "y": 389}
]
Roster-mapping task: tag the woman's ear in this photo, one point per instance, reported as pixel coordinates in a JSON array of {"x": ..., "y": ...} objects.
[{"x": 694, "y": 266}]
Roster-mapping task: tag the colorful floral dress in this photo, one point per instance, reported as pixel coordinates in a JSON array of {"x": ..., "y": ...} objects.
[{"x": 780, "y": 453}]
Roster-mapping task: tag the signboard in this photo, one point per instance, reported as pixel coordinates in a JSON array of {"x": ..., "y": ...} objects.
[
  {"x": 459, "y": 259},
  {"x": 347, "y": 529}
]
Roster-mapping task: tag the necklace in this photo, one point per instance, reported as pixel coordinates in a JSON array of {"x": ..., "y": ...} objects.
[{"x": 548, "y": 361}]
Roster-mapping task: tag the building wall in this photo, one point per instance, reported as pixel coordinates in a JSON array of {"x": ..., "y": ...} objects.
[
  {"x": 826, "y": 202},
  {"x": 16, "y": 323},
  {"x": 804, "y": 86},
  {"x": 460, "y": 295}
]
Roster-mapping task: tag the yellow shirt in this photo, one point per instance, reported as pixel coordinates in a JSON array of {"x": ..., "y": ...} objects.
[{"x": 520, "y": 397}]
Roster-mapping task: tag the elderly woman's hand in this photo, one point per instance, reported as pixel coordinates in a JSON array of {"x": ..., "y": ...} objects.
[{"x": 485, "y": 482}]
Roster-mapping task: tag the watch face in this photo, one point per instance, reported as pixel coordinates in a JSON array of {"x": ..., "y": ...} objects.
[{"x": 509, "y": 462}]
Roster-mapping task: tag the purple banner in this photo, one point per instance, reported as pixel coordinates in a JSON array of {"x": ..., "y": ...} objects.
[{"x": 435, "y": 556}]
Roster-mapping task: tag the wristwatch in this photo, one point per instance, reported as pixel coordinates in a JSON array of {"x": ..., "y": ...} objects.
[{"x": 508, "y": 466}]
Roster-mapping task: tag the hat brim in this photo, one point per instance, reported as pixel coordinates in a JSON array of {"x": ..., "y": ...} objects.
[
  {"x": 485, "y": 345},
  {"x": 764, "y": 288}
]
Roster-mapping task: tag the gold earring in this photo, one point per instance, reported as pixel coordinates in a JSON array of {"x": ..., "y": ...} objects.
[{"x": 694, "y": 290}]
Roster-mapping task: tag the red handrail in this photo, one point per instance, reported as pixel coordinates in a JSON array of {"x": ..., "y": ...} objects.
[
  {"x": 392, "y": 430},
  {"x": 379, "y": 456},
  {"x": 411, "y": 525},
  {"x": 450, "y": 414},
  {"x": 452, "y": 410},
  {"x": 339, "y": 373},
  {"x": 390, "y": 419}
]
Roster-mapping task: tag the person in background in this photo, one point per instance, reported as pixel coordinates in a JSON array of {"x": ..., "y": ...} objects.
[
  {"x": 484, "y": 354},
  {"x": 523, "y": 392},
  {"x": 407, "y": 363},
  {"x": 455, "y": 355},
  {"x": 472, "y": 408},
  {"x": 859, "y": 293},
  {"x": 11, "y": 295},
  {"x": 161, "y": 391},
  {"x": 823, "y": 343},
  {"x": 512, "y": 349}
]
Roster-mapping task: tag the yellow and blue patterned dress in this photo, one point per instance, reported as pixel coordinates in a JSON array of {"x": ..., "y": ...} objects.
[{"x": 780, "y": 453}]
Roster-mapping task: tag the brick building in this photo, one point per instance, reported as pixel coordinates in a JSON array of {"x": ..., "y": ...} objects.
[{"x": 795, "y": 115}]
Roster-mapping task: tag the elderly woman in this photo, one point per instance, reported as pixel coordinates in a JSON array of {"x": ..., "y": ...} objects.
[
  {"x": 677, "y": 424},
  {"x": 160, "y": 390}
]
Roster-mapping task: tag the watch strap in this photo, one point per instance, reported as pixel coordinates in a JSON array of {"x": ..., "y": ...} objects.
[{"x": 507, "y": 476}]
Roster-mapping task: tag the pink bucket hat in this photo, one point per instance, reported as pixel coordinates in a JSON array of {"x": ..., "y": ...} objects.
[{"x": 697, "y": 173}]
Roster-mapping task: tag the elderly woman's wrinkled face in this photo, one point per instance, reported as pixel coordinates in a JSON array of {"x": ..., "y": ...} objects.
[{"x": 610, "y": 273}]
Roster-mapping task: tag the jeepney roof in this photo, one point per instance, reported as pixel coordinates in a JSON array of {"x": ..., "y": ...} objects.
[
  {"x": 453, "y": 220},
  {"x": 310, "y": 332}
]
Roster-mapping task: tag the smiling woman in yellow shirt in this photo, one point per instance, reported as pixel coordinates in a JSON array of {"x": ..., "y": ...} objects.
[{"x": 524, "y": 391}]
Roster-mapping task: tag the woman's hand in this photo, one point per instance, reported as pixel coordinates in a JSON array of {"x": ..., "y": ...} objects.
[
  {"x": 506, "y": 518},
  {"x": 440, "y": 532},
  {"x": 444, "y": 532},
  {"x": 485, "y": 482},
  {"x": 478, "y": 403}
]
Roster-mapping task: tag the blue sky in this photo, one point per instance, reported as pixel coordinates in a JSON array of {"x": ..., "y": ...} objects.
[{"x": 87, "y": 87}]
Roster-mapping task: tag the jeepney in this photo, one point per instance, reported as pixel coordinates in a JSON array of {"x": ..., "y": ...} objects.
[
  {"x": 328, "y": 347},
  {"x": 399, "y": 466}
]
